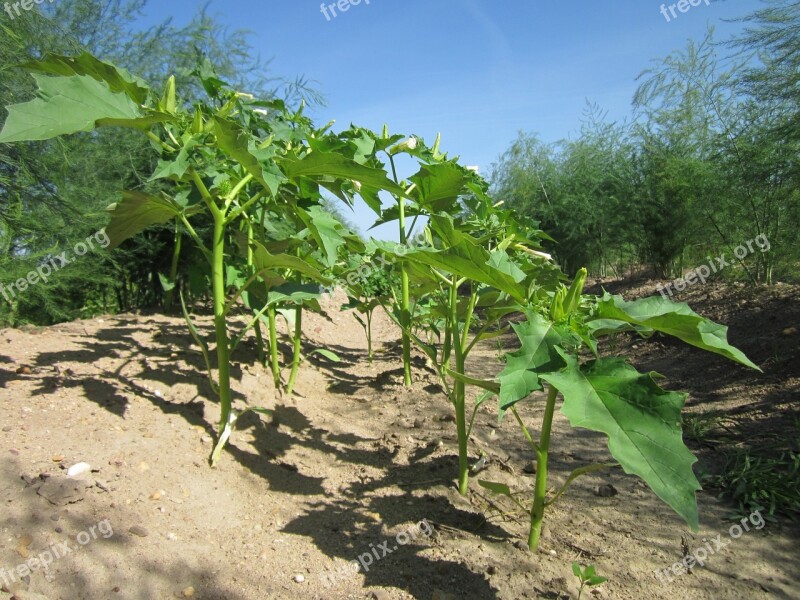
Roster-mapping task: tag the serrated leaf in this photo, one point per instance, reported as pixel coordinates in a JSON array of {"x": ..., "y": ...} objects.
[
  {"x": 241, "y": 146},
  {"x": 675, "y": 319},
  {"x": 438, "y": 186},
  {"x": 329, "y": 164},
  {"x": 641, "y": 420},
  {"x": 137, "y": 211},
  {"x": 538, "y": 355},
  {"x": 118, "y": 79},
  {"x": 66, "y": 105}
]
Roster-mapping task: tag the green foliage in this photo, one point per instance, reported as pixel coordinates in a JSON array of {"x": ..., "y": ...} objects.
[
  {"x": 587, "y": 577},
  {"x": 755, "y": 481}
]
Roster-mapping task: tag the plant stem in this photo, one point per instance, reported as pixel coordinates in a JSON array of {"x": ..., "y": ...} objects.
[
  {"x": 273, "y": 346},
  {"x": 405, "y": 298},
  {"x": 221, "y": 328},
  {"x": 537, "y": 511},
  {"x": 298, "y": 338},
  {"x": 458, "y": 394},
  {"x": 173, "y": 268},
  {"x": 369, "y": 335}
]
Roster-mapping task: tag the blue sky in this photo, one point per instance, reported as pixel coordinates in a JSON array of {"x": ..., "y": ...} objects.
[{"x": 478, "y": 71}]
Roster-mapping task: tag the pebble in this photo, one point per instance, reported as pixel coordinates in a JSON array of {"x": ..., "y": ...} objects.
[
  {"x": 139, "y": 531},
  {"x": 188, "y": 592},
  {"x": 419, "y": 423},
  {"x": 447, "y": 419},
  {"x": 530, "y": 468},
  {"x": 605, "y": 491},
  {"x": 298, "y": 578},
  {"x": 8, "y": 428},
  {"x": 78, "y": 469}
]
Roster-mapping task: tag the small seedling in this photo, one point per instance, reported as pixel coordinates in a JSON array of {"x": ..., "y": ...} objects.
[{"x": 588, "y": 577}]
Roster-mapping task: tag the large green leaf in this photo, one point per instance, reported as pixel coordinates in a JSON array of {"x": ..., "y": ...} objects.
[
  {"x": 675, "y": 319},
  {"x": 241, "y": 146},
  {"x": 266, "y": 261},
  {"x": 326, "y": 230},
  {"x": 538, "y": 355},
  {"x": 329, "y": 164},
  {"x": 118, "y": 80},
  {"x": 465, "y": 259},
  {"x": 67, "y": 105},
  {"x": 137, "y": 211},
  {"x": 438, "y": 186},
  {"x": 641, "y": 420}
]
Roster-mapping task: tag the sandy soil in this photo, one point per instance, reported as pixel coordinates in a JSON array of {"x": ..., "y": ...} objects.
[{"x": 354, "y": 465}]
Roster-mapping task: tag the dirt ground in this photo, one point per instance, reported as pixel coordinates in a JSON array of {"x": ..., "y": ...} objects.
[{"x": 357, "y": 466}]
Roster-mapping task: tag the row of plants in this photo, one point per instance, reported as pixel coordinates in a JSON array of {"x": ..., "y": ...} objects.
[{"x": 245, "y": 181}]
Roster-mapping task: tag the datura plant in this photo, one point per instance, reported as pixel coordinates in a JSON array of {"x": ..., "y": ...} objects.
[
  {"x": 229, "y": 159},
  {"x": 559, "y": 355}
]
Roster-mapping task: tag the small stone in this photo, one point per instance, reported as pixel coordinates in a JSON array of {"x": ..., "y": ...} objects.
[
  {"x": 138, "y": 531},
  {"x": 59, "y": 529},
  {"x": 24, "y": 371},
  {"x": 419, "y": 423},
  {"x": 790, "y": 331},
  {"x": 14, "y": 451},
  {"x": 491, "y": 570},
  {"x": 206, "y": 439},
  {"x": 55, "y": 517},
  {"x": 143, "y": 466},
  {"x": 76, "y": 471},
  {"x": 188, "y": 592},
  {"x": 8, "y": 428},
  {"x": 58, "y": 458},
  {"x": 447, "y": 418},
  {"x": 530, "y": 468},
  {"x": 298, "y": 578},
  {"x": 155, "y": 496},
  {"x": 171, "y": 537},
  {"x": 606, "y": 491}
]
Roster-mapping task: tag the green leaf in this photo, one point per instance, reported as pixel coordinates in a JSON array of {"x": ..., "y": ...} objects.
[
  {"x": 576, "y": 570},
  {"x": 136, "y": 212},
  {"x": 118, "y": 80},
  {"x": 497, "y": 488},
  {"x": 66, "y": 105},
  {"x": 265, "y": 261},
  {"x": 438, "y": 186},
  {"x": 641, "y": 420},
  {"x": 596, "y": 580},
  {"x": 538, "y": 355},
  {"x": 329, "y": 164},
  {"x": 332, "y": 356},
  {"x": 675, "y": 319},
  {"x": 241, "y": 146},
  {"x": 176, "y": 168}
]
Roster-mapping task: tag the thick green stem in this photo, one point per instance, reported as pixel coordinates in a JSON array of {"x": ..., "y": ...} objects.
[
  {"x": 405, "y": 297},
  {"x": 273, "y": 346},
  {"x": 298, "y": 338},
  {"x": 173, "y": 268},
  {"x": 221, "y": 328},
  {"x": 459, "y": 394},
  {"x": 540, "y": 493},
  {"x": 369, "y": 335}
]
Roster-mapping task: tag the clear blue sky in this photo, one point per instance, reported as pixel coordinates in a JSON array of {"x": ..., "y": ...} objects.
[{"x": 478, "y": 71}]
